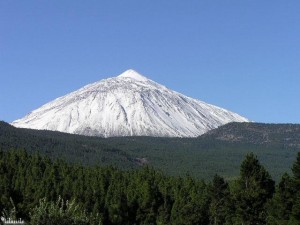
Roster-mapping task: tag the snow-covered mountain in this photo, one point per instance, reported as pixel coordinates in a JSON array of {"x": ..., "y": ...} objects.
[{"x": 128, "y": 105}]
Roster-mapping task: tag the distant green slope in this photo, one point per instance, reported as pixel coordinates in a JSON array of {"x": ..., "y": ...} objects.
[
  {"x": 219, "y": 151},
  {"x": 258, "y": 133},
  {"x": 73, "y": 148}
]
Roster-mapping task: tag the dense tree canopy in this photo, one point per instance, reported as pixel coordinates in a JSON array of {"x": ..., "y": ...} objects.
[{"x": 39, "y": 189}]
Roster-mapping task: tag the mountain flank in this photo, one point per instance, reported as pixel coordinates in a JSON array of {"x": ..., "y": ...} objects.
[
  {"x": 219, "y": 151},
  {"x": 128, "y": 105},
  {"x": 257, "y": 133}
]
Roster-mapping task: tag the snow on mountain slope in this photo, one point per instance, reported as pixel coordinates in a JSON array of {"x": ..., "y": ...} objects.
[{"x": 128, "y": 105}]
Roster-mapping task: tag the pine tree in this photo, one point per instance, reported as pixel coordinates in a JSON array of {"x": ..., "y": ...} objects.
[
  {"x": 296, "y": 168},
  {"x": 221, "y": 204},
  {"x": 191, "y": 205},
  {"x": 295, "y": 214},
  {"x": 280, "y": 207},
  {"x": 254, "y": 188},
  {"x": 296, "y": 172}
]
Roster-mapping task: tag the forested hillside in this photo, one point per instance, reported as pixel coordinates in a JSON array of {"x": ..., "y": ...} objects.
[
  {"x": 287, "y": 135},
  {"x": 219, "y": 151},
  {"x": 43, "y": 191},
  {"x": 73, "y": 148}
]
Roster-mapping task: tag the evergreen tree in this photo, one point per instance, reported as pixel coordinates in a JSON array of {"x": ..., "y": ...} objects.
[
  {"x": 191, "y": 203},
  {"x": 280, "y": 207},
  {"x": 295, "y": 214},
  {"x": 296, "y": 169},
  {"x": 254, "y": 188},
  {"x": 221, "y": 204}
]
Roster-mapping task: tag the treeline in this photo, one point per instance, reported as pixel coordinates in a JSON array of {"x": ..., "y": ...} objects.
[{"x": 43, "y": 191}]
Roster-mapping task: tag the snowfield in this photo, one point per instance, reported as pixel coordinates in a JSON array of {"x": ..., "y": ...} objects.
[{"x": 128, "y": 105}]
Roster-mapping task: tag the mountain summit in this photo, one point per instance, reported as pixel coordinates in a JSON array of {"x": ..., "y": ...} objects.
[
  {"x": 134, "y": 75},
  {"x": 128, "y": 105}
]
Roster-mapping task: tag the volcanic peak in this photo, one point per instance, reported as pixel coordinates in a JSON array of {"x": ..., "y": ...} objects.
[{"x": 134, "y": 75}]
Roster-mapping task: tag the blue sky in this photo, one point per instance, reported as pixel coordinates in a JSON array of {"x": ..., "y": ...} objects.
[{"x": 241, "y": 55}]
